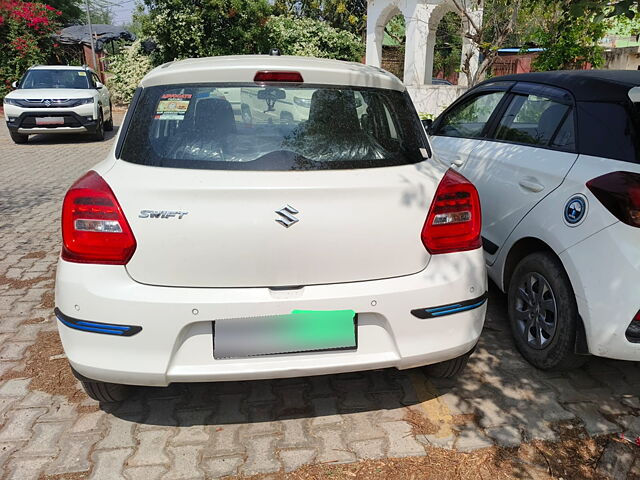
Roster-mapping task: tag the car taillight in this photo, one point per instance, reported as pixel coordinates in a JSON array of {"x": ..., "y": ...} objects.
[
  {"x": 278, "y": 76},
  {"x": 619, "y": 192},
  {"x": 94, "y": 229},
  {"x": 454, "y": 220}
]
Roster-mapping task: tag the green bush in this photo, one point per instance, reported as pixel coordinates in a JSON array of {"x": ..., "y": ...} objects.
[
  {"x": 25, "y": 38},
  {"x": 312, "y": 38},
  {"x": 125, "y": 72}
]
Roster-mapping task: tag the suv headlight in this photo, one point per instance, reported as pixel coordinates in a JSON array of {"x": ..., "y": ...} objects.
[
  {"x": 84, "y": 101},
  {"x": 12, "y": 101}
]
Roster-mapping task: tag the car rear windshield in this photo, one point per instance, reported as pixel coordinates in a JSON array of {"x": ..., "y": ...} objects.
[
  {"x": 55, "y": 79},
  {"x": 251, "y": 127}
]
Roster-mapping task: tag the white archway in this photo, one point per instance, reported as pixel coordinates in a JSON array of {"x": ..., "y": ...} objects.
[{"x": 421, "y": 20}]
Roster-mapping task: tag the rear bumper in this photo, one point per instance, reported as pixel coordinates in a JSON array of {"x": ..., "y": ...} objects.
[
  {"x": 607, "y": 288},
  {"x": 176, "y": 340}
]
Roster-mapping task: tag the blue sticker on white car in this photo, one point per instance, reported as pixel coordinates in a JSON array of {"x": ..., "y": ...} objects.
[{"x": 575, "y": 209}]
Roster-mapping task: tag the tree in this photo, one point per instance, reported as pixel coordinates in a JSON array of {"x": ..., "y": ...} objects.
[
  {"x": 446, "y": 54},
  {"x": 348, "y": 15},
  {"x": 25, "y": 29},
  {"x": 569, "y": 41},
  {"x": 202, "y": 28},
  {"x": 72, "y": 10},
  {"x": 499, "y": 21},
  {"x": 126, "y": 70},
  {"x": 315, "y": 38}
]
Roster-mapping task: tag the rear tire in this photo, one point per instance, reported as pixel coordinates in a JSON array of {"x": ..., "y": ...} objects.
[
  {"x": 449, "y": 368},
  {"x": 106, "y": 392},
  {"x": 19, "y": 137},
  {"x": 543, "y": 313},
  {"x": 108, "y": 126}
]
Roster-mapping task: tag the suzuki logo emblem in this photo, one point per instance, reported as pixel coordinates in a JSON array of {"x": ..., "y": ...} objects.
[
  {"x": 47, "y": 103},
  {"x": 287, "y": 216}
]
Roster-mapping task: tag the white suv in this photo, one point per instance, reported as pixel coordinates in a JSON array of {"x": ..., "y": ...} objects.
[
  {"x": 207, "y": 247},
  {"x": 556, "y": 159},
  {"x": 58, "y": 99}
]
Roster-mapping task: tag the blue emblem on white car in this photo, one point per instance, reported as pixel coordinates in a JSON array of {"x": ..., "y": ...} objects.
[{"x": 575, "y": 209}]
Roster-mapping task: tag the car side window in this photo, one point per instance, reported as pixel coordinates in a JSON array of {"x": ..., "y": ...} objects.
[
  {"x": 469, "y": 118},
  {"x": 95, "y": 79},
  {"x": 534, "y": 120}
]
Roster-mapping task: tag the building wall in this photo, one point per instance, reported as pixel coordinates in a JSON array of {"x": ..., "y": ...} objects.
[
  {"x": 433, "y": 99},
  {"x": 626, "y": 58}
]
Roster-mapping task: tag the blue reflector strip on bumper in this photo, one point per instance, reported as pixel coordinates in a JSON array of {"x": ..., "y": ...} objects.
[
  {"x": 452, "y": 308},
  {"x": 97, "y": 327}
]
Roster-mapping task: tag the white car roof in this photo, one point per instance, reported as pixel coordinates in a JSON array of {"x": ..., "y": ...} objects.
[
  {"x": 242, "y": 68},
  {"x": 59, "y": 67}
]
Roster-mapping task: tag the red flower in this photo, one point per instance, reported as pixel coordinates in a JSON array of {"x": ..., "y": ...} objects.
[
  {"x": 56, "y": 45},
  {"x": 638, "y": 441}
]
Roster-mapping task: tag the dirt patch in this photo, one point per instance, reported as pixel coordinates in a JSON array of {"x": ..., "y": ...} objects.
[
  {"x": 66, "y": 476},
  {"x": 34, "y": 321},
  {"x": 38, "y": 254},
  {"x": 48, "y": 369},
  {"x": 48, "y": 300},
  {"x": 571, "y": 458},
  {"x": 420, "y": 424},
  {"x": 18, "y": 284}
]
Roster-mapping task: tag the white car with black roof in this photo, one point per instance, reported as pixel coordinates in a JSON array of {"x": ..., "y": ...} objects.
[
  {"x": 210, "y": 247},
  {"x": 555, "y": 157},
  {"x": 58, "y": 99}
]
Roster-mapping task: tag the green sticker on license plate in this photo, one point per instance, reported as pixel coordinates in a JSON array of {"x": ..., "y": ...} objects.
[{"x": 300, "y": 331}]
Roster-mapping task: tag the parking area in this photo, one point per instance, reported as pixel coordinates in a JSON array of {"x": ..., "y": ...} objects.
[{"x": 50, "y": 429}]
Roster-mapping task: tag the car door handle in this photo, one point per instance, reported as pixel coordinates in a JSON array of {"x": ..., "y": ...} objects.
[{"x": 531, "y": 185}]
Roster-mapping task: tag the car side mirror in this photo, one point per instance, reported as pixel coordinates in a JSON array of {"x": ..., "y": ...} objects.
[
  {"x": 427, "y": 123},
  {"x": 99, "y": 85},
  {"x": 14, "y": 84}
]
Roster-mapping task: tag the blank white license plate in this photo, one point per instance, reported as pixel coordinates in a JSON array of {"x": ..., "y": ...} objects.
[{"x": 49, "y": 120}]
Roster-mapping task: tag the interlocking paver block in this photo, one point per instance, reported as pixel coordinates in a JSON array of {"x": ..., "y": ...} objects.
[
  {"x": 222, "y": 466},
  {"x": 296, "y": 458},
  {"x": 261, "y": 455},
  {"x": 401, "y": 441},
  {"x": 74, "y": 454},
  {"x": 594, "y": 422},
  {"x": 151, "y": 472},
  {"x": 19, "y": 423},
  {"x": 26, "y": 468},
  {"x": 368, "y": 449},
  {"x": 120, "y": 434},
  {"x": 332, "y": 447},
  {"x": 151, "y": 448},
  {"x": 184, "y": 465},
  {"x": 44, "y": 440},
  {"x": 109, "y": 463}
]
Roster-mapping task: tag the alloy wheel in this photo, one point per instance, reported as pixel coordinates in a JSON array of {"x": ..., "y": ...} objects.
[{"x": 536, "y": 311}]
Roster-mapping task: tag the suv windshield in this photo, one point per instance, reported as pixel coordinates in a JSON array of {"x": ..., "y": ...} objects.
[
  {"x": 250, "y": 127},
  {"x": 55, "y": 79}
]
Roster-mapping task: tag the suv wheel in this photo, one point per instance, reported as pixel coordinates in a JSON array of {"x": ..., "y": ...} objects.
[
  {"x": 99, "y": 133},
  {"x": 19, "y": 137},
  {"x": 108, "y": 126},
  {"x": 449, "y": 368},
  {"x": 106, "y": 392},
  {"x": 543, "y": 313}
]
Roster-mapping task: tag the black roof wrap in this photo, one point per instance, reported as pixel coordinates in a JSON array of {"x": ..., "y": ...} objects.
[{"x": 585, "y": 85}]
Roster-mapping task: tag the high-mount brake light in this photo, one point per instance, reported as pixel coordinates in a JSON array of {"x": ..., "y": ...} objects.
[
  {"x": 454, "y": 220},
  {"x": 619, "y": 192},
  {"x": 94, "y": 228},
  {"x": 276, "y": 76}
]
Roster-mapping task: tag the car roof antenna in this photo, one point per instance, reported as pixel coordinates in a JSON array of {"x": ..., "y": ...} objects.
[{"x": 274, "y": 52}]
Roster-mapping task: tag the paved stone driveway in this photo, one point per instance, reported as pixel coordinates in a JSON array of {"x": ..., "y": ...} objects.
[{"x": 208, "y": 431}]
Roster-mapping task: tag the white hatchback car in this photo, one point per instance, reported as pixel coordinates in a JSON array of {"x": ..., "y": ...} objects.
[
  {"x": 208, "y": 248},
  {"x": 556, "y": 159},
  {"x": 58, "y": 99}
]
